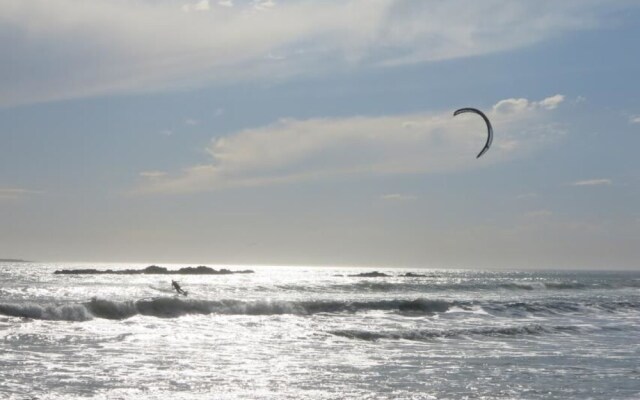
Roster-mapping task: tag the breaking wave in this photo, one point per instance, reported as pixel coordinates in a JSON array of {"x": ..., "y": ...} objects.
[
  {"x": 425, "y": 285},
  {"x": 423, "y": 334},
  {"x": 71, "y": 312},
  {"x": 171, "y": 307}
]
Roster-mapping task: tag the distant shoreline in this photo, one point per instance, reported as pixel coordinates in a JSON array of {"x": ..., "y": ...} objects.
[{"x": 16, "y": 260}]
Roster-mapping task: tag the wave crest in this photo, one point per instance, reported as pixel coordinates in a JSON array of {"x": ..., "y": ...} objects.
[
  {"x": 172, "y": 307},
  {"x": 71, "y": 312},
  {"x": 423, "y": 334}
]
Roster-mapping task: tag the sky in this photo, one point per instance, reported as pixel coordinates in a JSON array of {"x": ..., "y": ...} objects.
[{"x": 277, "y": 132}]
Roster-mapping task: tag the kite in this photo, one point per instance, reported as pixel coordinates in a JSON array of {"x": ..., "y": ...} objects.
[{"x": 486, "y": 120}]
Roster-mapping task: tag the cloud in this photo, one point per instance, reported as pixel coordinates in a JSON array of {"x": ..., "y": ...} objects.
[
  {"x": 202, "y": 5},
  {"x": 508, "y": 106},
  {"x": 15, "y": 193},
  {"x": 529, "y": 195},
  {"x": 293, "y": 150},
  {"x": 593, "y": 182},
  {"x": 552, "y": 102},
  {"x": 398, "y": 197},
  {"x": 538, "y": 214},
  {"x": 73, "y": 48},
  {"x": 152, "y": 174},
  {"x": 634, "y": 119},
  {"x": 261, "y": 5},
  {"x": 191, "y": 121}
]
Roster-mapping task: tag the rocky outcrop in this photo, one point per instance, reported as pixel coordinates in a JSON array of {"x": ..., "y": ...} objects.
[
  {"x": 374, "y": 274},
  {"x": 154, "y": 270}
]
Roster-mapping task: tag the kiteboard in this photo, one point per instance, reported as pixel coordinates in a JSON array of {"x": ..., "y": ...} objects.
[
  {"x": 161, "y": 289},
  {"x": 165, "y": 290}
]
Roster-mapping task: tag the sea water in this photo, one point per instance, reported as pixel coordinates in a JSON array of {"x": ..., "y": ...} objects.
[{"x": 319, "y": 333}]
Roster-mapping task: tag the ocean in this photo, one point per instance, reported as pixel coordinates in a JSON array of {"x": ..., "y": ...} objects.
[{"x": 319, "y": 333}]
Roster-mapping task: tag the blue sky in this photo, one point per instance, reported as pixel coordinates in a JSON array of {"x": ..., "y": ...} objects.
[{"x": 320, "y": 133}]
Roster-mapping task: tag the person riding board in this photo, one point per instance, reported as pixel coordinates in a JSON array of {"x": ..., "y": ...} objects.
[{"x": 177, "y": 287}]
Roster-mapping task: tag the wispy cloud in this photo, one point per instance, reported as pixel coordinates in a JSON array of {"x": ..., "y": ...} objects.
[
  {"x": 529, "y": 195},
  {"x": 131, "y": 45},
  {"x": 551, "y": 103},
  {"x": 634, "y": 119},
  {"x": 263, "y": 4},
  {"x": 15, "y": 193},
  {"x": 152, "y": 174},
  {"x": 519, "y": 105},
  {"x": 538, "y": 214},
  {"x": 593, "y": 182},
  {"x": 293, "y": 150},
  {"x": 202, "y": 5},
  {"x": 398, "y": 197}
]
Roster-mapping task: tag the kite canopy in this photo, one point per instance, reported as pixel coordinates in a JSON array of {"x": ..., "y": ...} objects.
[{"x": 486, "y": 120}]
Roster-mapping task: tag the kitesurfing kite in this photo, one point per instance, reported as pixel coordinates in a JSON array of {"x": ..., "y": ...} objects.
[{"x": 486, "y": 120}]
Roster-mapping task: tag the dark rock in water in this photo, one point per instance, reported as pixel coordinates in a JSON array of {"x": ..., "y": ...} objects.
[
  {"x": 374, "y": 274},
  {"x": 412, "y": 275},
  {"x": 202, "y": 270},
  {"x": 80, "y": 271},
  {"x": 154, "y": 269}
]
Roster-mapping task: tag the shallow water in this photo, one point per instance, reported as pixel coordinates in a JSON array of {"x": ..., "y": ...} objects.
[{"x": 318, "y": 333}]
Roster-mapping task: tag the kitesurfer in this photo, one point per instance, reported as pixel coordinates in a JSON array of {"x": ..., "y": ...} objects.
[{"x": 177, "y": 287}]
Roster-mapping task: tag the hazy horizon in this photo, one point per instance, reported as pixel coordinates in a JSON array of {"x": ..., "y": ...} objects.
[{"x": 99, "y": 264}]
